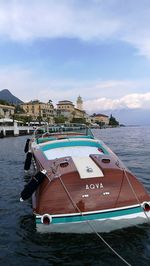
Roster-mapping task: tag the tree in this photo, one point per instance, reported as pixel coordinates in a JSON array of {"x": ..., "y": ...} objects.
[
  {"x": 39, "y": 119},
  {"x": 3, "y": 102},
  {"x": 113, "y": 121},
  {"x": 59, "y": 119},
  {"x": 78, "y": 120},
  {"x": 19, "y": 110}
]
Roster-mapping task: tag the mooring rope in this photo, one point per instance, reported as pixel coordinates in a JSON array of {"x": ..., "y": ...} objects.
[
  {"x": 87, "y": 221},
  {"x": 135, "y": 194},
  {"x": 91, "y": 226}
]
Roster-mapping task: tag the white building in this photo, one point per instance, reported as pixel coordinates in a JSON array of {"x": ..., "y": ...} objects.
[{"x": 6, "y": 111}]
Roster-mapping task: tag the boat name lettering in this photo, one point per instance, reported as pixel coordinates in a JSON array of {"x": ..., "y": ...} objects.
[{"x": 94, "y": 186}]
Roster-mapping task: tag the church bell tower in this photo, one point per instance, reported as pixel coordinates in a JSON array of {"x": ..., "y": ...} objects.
[{"x": 79, "y": 103}]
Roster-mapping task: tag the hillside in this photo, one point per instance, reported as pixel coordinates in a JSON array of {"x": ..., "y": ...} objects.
[{"x": 7, "y": 96}]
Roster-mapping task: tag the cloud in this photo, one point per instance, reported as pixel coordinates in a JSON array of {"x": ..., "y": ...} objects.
[
  {"x": 21, "y": 20},
  {"x": 24, "y": 84},
  {"x": 130, "y": 101},
  {"x": 97, "y": 96},
  {"x": 127, "y": 21}
]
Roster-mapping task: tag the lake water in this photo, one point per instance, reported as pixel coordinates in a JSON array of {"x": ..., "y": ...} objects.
[{"x": 20, "y": 244}]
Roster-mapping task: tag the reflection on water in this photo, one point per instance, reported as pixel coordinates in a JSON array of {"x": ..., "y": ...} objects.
[{"x": 20, "y": 244}]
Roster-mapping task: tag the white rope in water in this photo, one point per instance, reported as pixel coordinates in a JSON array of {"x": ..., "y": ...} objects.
[
  {"x": 91, "y": 226},
  {"x": 88, "y": 222}
]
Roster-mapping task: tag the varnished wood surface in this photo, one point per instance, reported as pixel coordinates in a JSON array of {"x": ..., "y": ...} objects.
[{"x": 52, "y": 198}]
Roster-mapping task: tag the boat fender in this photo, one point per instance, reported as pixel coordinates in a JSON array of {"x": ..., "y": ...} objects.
[
  {"x": 33, "y": 184},
  {"x": 27, "y": 163},
  {"x": 46, "y": 219},
  {"x": 146, "y": 206},
  {"x": 26, "y": 148}
]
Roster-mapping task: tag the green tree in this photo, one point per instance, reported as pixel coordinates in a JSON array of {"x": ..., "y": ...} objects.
[
  {"x": 3, "y": 102},
  {"x": 113, "y": 121},
  {"x": 19, "y": 109},
  {"x": 39, "y": 119},
  {"x": 59, "y": 119},
  {"x": 78, "y": 120},
  {"x": 24, "y": 119}
]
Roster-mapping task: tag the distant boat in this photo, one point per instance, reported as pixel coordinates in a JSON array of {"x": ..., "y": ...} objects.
[{"x": 80, "y": 185}]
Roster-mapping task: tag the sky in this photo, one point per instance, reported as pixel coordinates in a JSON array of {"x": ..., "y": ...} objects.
[{"x": 60, "y": 49}]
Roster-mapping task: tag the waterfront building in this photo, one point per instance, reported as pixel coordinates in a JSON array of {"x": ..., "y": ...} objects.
[
  {"x": 37, "y": 109},
  {"x": 6, "y": 111},
  {"x": 78, "y": 113},
  {"x": 100, "y": 119},
  {"x": 46, "y": 111},
  {"x": 68, "y": 109},
  {"x": 65, "y": 106}
]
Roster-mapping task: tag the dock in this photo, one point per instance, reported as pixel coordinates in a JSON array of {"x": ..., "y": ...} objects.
[{"x": 15, "y": 130}]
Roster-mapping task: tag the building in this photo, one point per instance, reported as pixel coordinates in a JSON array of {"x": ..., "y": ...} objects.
[
  {"x": 6, "y": 111},
  {"x": 46, "y": 111},
  {"x": 68, "y": 110},
  {"x": 79, "y": 103},
  {"x": 65, "y": 106},
  {"x": 37, "y": 109},
  {"x": 101, "y": 119},
  {"x": 78, "y": 113}
]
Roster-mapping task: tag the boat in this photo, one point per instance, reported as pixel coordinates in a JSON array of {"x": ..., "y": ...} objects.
[{"x": 79, "y": 184}]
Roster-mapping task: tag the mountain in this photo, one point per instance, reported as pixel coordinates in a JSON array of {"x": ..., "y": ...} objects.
[{"x": 7, "y": 96}]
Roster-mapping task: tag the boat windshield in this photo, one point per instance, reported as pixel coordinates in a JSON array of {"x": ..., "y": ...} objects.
[{"x": 62, "y": 129}]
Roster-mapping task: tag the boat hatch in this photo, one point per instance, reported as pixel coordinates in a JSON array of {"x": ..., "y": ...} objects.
[{"x": 86, "y": 167}]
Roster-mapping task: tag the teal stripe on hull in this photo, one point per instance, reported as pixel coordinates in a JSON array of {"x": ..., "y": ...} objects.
[
  {"x": 42, "y": 140},
  {"x": 69, "y": 144},
  {"x": 94, "y": 216}
]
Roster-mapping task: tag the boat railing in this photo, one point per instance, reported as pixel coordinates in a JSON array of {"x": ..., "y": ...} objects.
[{"x": 60, "y": 129}]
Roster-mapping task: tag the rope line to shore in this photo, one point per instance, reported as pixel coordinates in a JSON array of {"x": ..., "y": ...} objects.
[
  {"x": 88, "y": 222},
  {"x": 91, "y": 226},
  {"x": 135, "y": 194}
]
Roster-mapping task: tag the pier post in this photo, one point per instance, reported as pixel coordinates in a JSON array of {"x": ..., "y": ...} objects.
[
  {"x": 3, "y": 132},
  {"x": 16, "y": 129}
]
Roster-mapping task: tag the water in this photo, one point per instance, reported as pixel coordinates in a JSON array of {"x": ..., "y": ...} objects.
[{"x": 21, "y": 245}]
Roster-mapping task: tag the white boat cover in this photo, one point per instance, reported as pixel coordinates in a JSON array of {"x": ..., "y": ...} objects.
[{"x": 76, "y": 151}]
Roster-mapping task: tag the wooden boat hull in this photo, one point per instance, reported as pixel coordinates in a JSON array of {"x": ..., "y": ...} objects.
[{"x": 86, "y": 187}]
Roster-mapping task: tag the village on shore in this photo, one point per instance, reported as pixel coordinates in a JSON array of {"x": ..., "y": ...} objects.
[{"x": 35, "y": 112}]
